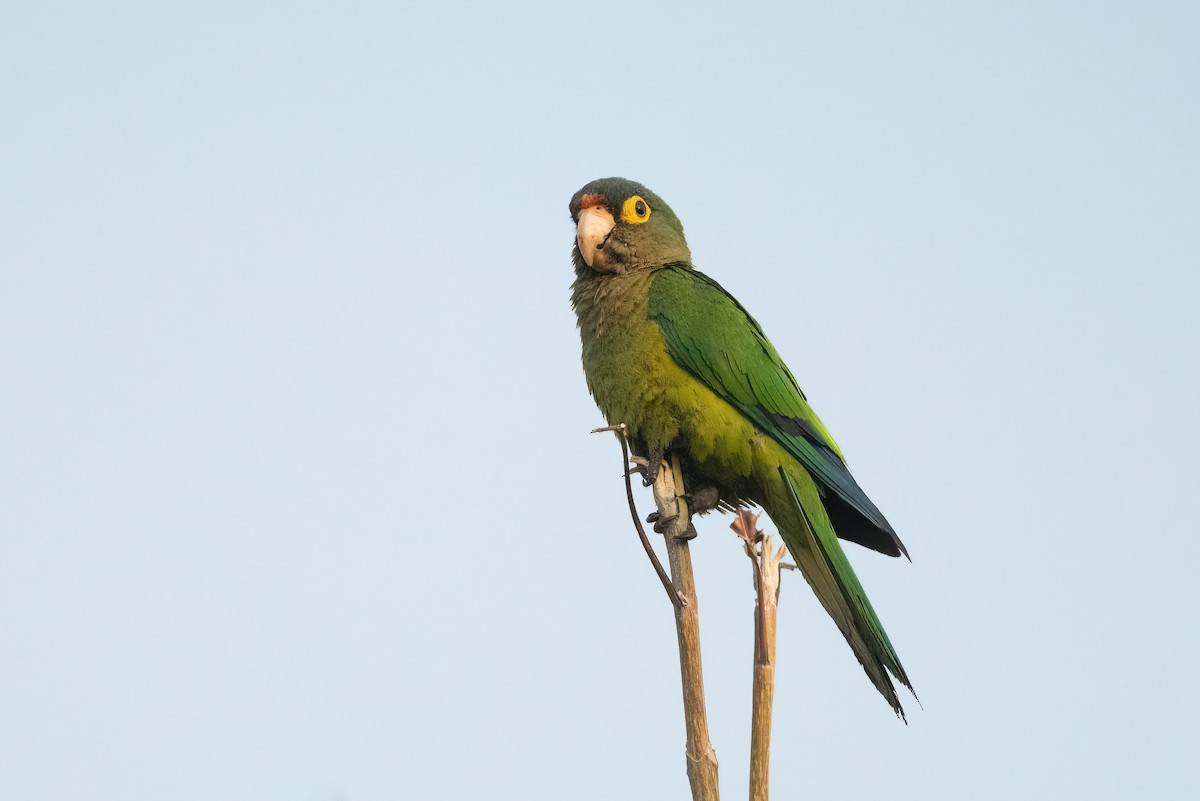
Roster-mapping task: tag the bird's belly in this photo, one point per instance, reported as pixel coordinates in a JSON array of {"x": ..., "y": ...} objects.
[{"x": 635, "y": 381}]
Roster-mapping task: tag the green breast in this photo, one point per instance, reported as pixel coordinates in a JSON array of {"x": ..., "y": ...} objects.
[{"x": 629, "y": 372}]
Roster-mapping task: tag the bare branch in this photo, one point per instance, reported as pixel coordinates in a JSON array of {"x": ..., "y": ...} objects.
[
  {"x": 766, "y": 590},
  {"x": 675, "y": 522}
]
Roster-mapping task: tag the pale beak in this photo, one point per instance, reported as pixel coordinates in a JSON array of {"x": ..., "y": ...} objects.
[{"x": 595, "y": 224}]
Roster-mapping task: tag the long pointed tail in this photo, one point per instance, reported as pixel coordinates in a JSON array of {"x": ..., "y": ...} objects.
[{"x": 794, "y": 505}]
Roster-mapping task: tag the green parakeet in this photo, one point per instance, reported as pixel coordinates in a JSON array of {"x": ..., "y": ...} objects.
[{"x": 676, "y": 358}]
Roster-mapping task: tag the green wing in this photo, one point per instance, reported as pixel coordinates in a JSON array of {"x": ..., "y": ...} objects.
[{"x": 710, "y": 335}]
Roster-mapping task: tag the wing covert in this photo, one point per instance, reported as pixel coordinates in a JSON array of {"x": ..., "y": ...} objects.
[{"x": 709, "y": 334}]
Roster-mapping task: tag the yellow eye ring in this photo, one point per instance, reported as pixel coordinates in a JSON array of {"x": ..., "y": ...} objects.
[{"x": 635, "y": 210}]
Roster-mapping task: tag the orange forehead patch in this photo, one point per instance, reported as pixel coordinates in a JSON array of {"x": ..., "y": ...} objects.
[{"x": 591, "y": 201}]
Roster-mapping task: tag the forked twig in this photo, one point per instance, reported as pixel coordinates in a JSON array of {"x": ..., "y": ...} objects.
[
  {"x": 675, "y": 522},
  {"x": 620, "y": 430}
]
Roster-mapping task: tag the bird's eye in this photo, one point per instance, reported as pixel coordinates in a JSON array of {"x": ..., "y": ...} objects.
[{"x": 635, "y": 210}]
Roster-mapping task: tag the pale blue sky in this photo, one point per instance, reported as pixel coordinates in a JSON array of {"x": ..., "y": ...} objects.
[{"x": 292, "y": 406}]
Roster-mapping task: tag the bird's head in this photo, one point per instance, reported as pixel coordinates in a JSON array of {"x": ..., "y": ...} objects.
[{"x": 621, "y": 226}]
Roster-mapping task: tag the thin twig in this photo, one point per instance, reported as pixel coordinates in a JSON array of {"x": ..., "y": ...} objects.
[
  {"x": 619, "y": 430},
  {"x": 766, "y": 590}
]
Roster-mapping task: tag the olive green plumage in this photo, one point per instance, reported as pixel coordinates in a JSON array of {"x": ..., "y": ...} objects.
[{"x": 677, "y": 359}]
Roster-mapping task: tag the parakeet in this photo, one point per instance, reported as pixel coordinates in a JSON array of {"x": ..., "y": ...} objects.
[{"x": 676, "y": 358}]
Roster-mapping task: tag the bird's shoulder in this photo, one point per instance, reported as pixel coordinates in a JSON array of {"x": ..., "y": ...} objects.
[
  {"x": 698, "y": 313},
  {"x": 711, "y": 335}
]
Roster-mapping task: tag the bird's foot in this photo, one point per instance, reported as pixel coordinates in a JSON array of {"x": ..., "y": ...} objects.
[
  {"x": 664, "y": 524},
  {"x": 703, "y": 500},
  {"x": 650, "y": 469}
]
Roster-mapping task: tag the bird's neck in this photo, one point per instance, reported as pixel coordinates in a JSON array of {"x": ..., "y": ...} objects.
[{"x": 606, "y": 303}]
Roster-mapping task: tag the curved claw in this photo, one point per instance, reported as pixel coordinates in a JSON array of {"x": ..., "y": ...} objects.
[{"x": 653, "y": 463}]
